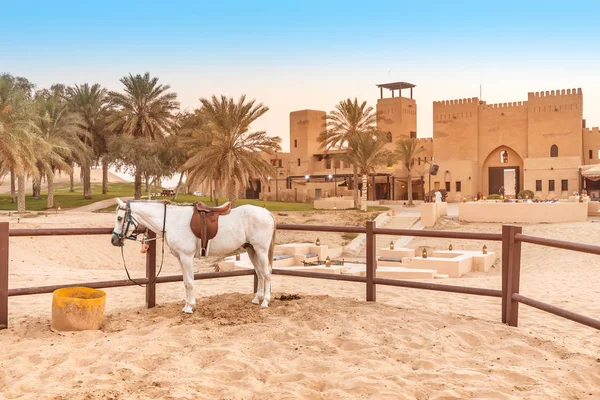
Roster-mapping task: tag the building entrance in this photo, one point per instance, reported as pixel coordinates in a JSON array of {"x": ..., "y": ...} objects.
[{"x": 506, "y": 177}]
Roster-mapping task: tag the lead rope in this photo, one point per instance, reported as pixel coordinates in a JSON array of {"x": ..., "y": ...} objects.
[{"x": 148, "y": 240}]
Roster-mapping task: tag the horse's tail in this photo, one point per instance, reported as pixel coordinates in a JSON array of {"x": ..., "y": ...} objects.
[{"x": 272, "y": 245}]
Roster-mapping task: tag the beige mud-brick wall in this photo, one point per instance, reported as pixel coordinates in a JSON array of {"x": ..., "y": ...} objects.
[
  {"x": 555, "y": 118},
  {"x": 305, "y": 127},
  {"x": 398, "y": 116},
  {"x": 591, "y": 142},
  {"x": 455, "y": 135},
  {"x": 552, "y": 168},
  {"x": 465, "y": 172},
  {"x": 503, "y": 124}
]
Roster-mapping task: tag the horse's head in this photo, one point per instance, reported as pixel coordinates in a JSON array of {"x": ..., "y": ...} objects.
[{"x": 120, "y": 230}]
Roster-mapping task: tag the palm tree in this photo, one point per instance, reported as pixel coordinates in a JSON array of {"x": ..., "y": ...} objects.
[
  {"x": 16, "y": 141},
  {"x": 406, "y": 151},
  {"x": 91, "y": 102},
  {"x": 145, "y": 111},
  {"x": 224, "y": 151},
  {"x": 63, "y": 135},
  {"x": 348, "y": 120},
  {"x": 366, "y": 150}
]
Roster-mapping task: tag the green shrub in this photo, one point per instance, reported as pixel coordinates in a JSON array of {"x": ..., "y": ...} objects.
[
  {"x": 527, "y": 193},
  {"x": 494, "y": 196}
]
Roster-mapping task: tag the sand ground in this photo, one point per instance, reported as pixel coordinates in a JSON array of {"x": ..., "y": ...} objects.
[{"x": 330, "y": 344}]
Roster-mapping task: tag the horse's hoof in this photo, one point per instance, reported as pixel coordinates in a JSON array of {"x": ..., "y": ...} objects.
[
  {"x": 264, "y": 305},
  {"x": 187, "y": 309},
  {"x": 256, "y": 301}
]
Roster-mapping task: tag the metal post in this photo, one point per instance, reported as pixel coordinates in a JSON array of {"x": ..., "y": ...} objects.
[
  {"x": 511, "y": 271},
  {"x": 371, "y": 261},
  {"x": 4, "y": 275},
  {"x": 334, "y": 180},
  {"x": 151, "y": 270}
]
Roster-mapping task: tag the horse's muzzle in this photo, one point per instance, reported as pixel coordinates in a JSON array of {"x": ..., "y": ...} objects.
[{"x": 116, "y": 241}]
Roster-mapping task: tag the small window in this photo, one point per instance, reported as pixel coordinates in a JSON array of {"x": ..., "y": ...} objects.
[
  {"x": 388, "y": 136},
  {"x": 295, "y": 142},
  {"x": 591, "y": 154},
  {"x": 298, "y": 162},
  {"x": 564, "y": 185},
  {"x": 337, "y": 164},
  {"x": 551, "y": 185},
  {"x": 413, "y": 135},
  {"x": 419, "y": 160},
  {"x": 458, "y": 186},
  {"x": 447, "y": 187},
  {"x": 280, "y": 163},
  {"x": 328, "y": 163},
  {"x": 554, "y": 151},
  {"x": 538, "y": 185}
]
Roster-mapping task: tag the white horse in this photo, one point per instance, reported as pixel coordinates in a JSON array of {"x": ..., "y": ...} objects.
[{"x": 249, "y": 226}]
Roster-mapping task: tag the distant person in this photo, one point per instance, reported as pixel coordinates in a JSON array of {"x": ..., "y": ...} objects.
[
  {"x": 438, "y": 196},
  {"x": 501, "y": 191}
]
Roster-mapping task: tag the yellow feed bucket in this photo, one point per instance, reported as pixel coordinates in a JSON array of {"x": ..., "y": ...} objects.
[{"x": 77, "y": 309}]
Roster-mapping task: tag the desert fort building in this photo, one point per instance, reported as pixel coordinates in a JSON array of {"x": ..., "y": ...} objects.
[{"x": 540, "y": 144}]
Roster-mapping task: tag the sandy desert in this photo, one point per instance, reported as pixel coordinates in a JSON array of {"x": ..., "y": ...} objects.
[{"x": 329, "y": 344}]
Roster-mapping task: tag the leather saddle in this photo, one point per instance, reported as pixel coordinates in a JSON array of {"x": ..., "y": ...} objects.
[{"x": 205, "y": 222}]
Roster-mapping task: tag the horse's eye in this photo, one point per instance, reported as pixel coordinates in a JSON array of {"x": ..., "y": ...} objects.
[{"x": 119, "y": 219}]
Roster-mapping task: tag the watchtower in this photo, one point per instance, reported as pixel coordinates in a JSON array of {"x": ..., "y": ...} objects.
[{"x": 398, "y": 115}]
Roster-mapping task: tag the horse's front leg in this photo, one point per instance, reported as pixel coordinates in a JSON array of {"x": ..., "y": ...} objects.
[{"x": 187, "y": 270}]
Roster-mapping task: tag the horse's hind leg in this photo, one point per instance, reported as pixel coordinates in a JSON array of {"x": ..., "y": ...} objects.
[
  {"x": 261, "y": 279},
  {"x": 265, "y": 270},
  {"x": 187, "y": 270}
]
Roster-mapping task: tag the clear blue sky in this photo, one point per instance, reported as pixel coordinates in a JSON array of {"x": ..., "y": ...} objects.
[{"x": 296, "y": 55}]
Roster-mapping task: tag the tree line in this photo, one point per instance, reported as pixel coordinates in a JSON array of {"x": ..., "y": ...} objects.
[{"x": 139, "y": 129}]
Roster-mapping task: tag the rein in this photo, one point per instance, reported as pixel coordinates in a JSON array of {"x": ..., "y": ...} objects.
[{"x": 123, "y": 235}]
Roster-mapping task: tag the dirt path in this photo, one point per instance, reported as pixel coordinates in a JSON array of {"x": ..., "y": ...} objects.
[{"x": 98, "y": 205}]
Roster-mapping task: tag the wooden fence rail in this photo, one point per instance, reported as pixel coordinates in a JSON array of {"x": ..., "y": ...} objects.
[{"x": 511, "y": 238}]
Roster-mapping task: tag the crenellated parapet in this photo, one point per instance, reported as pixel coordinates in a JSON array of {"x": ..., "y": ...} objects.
[
  {"x": 555, "y": 93},
  {"x": 472, "y": 100},
  {"x": 513, "y": 104},
  {"x": 592, "y": 131}
]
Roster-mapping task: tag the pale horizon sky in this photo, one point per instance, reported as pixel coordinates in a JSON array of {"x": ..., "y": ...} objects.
[{"x": 313, "y": 54}]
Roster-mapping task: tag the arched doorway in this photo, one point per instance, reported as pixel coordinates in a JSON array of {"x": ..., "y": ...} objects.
[{"x": 502, "y": 169}]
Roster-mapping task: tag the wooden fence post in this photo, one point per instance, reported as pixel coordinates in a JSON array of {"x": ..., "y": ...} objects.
[
  {"x": 4, "y": 275},
  {"x": 255, "y": 282},
  {"x": 371, "y": 261},
  {"x": 511, "y": 273},
  {"x": 151, "y": 270}
]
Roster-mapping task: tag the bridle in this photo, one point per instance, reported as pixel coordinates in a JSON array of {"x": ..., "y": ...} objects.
[{"x": 130, "y": 220}]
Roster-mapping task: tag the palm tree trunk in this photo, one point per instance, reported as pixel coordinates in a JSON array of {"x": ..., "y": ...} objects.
[
  {"x": 355, "y": 186},
  {"x": 104, "y": 177},
  {"x": 363, "y": 197},
  {"x": 36, "y": 187},
  {"x": 409, "y": 186},
  {"x": 13, "y": 192},
  {"x": 50, "y": 190},
  {"x": 87, "y": 181},
  {"x": 21, "y": 193},
  {"x": 71, "y": 180},
  {"x": 137, "y": 193},
  {"x": 178, "y": 186},
  {"x": 232, "y": 192}
]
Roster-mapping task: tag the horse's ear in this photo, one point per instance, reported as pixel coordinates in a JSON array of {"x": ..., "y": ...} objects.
[{"x": 119, "y": 202}]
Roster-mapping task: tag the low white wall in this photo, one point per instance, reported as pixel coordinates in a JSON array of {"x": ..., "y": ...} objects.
[
  {"x": 593, "y": 208},
  {"x": 330, "y": 203},
  {"x": 522, "y": 212},
  {"x": 430, "y": 212}
]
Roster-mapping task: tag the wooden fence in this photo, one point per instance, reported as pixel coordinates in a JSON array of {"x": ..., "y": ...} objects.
[{"x": 511, "y": 238}]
